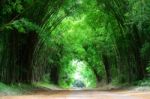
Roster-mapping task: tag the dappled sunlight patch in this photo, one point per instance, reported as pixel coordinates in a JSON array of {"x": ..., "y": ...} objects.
[{"x": 80, "y": 77}]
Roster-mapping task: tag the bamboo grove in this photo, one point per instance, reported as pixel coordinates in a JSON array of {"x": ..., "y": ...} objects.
[{"x": 39, "y": 38}]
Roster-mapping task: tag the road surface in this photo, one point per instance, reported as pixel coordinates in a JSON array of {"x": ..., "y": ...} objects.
[{"x": 49, "y": 94}]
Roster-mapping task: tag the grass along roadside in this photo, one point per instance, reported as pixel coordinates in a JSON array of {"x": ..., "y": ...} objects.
[
  {"x": 15, "y": 89},
  {"x": 20, "y": 89}
]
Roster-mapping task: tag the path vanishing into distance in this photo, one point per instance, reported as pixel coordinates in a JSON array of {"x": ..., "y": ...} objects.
[{"x": 80, "y": 94}]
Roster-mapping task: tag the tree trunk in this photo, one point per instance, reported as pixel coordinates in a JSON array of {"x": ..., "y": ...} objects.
[
  {"x": 26, "y": 56},
  {"x": 107, "y": 67}
]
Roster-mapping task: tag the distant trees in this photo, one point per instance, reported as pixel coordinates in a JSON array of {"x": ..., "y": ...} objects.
[
  {"x": 117, "y": 45},
  {"x": 112, "y": 36}
]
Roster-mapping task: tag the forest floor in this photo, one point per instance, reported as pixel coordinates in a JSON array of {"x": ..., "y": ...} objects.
[{"x": 45, "y": 93}]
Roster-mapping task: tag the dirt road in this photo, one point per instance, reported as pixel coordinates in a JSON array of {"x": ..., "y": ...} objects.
[{"x": 48, "y": 94}]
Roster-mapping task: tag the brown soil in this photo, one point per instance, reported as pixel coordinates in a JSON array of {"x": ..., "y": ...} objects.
[{"x": 66, "y": 94}]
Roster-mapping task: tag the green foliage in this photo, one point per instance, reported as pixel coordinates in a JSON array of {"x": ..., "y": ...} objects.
[
  {"x": 148, "y": 68},
  {"x": 145, "y": 50},
  {"x": 76, "y": 70},
  {"x": 11, "y": 7},
  {"x": 14, "y": 89},
  {"x": 144, "y": 82},
  {"x": 23, "y": 26},
  {"x": 40, "y": 39}
]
